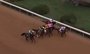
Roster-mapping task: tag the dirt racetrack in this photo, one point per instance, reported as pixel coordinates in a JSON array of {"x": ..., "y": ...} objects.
[{"x": 13, "y": 23}]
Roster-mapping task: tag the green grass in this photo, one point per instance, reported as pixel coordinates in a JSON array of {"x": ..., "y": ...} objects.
[{"x": 58, "y": 8}]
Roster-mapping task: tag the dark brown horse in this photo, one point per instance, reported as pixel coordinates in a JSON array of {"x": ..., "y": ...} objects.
[{"x": 29, "y": 36}]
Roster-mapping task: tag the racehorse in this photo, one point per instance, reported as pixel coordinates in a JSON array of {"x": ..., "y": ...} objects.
[
  {"x": 39, "y": 32},
  {"x": 49, "y": 26},
  {"x": 29, "y": 35},
  {"x": 48, "y": 30},
  {"x": 62, "y": 31}
]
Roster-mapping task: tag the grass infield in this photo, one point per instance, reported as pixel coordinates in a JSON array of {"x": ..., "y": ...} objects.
[{"x": 59, "y": 8}]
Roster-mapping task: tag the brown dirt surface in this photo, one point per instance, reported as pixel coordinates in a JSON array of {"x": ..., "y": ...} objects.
[{"x": 13, "y": 23}]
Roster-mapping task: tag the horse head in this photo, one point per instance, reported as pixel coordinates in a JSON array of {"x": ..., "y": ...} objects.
[
  {"x": 54, "y": 23},
  {"x": 22, "y": 34}
]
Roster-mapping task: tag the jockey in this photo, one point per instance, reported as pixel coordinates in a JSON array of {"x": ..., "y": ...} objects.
[
  {"x": 49, "y": 24},
  {"x": 31, "y": 31},
  {"x": 49, "y": 21},
  {"x": 44, "y": 27},
  {"x": 62, "y": 28}
]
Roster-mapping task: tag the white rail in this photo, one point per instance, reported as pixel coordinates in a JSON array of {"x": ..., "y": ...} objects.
[{"x": 84, "y": 32}]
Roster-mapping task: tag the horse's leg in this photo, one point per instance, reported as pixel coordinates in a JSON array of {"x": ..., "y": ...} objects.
[
  {"x": 42, "y": 33},
  {"x": 60, "y": 33},
  {"x": 35, "y": 35},
  {"x": 46, "y": 33},
  {"x": 50, "y": 31},
  {"x": 26, "y": 38},
  {"x": 63, "y": 34},
  {"x": 38, "y": 35},
  {"x": 32, "y": 39}
]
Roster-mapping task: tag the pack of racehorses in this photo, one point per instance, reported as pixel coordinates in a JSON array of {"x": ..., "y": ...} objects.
[{"x": 44, "y": 30}]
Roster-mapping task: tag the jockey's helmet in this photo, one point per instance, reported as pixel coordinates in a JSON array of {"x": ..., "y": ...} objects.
[
  {"x": 30, "y": 31},
  {"x": 51, "y": 20}
]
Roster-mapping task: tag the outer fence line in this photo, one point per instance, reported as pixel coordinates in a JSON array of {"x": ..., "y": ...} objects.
[{"x": 84, "y": 32}]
